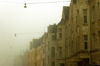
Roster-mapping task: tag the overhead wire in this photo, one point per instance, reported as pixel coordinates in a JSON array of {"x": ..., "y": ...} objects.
[
  {"x": 48, "y": 2},
  {"x": 12, "y": 2},
  {"x": 36, "y": 2}
]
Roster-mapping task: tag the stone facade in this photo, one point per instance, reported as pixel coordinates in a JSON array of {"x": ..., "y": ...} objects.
[
  {"x": 75, "y": 40},
  {"x": 78, "y": 33},
  {"x": 95, "y": 31},
  {"x": 35, "y": 53}
]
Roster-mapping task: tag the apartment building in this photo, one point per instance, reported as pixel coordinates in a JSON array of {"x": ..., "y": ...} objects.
[
  {"x": 38, "y": 50},
  {"x": 52, "y": 45},
  {"x": 25, "y": 58},
  {"x": 78, "y": 33},
  {"x": 74, "y": 41},
  {"x": 35, "y": 52},
  {"x": 61, "y": 43},
  {"x": 95, "y": 31},
  {"x": 43, "y": 50}
]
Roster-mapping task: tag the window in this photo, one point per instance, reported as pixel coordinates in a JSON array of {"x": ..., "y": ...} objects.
[
  {"x": 93, "y": 40},
  {"x": 78, "y": 43},
  {"x": 72, "y": 47},
  {"x": 60, "y": 33},
  {"x": 98, "y": 9},
  {"x": 85, "y": 42},
  {"x": 60, "y": 29},
  {"x": 53, "y": 37},
  {"x": 85, "y": 15},
  {"x": 99, "y": 61},
  {"x": 76, "y": 23},
  {"x": 60, "y": 51},
  {"x": 53, "y": 52},
  {"x": 99, "y": 37},
  {"x": 93, "y": 14}
]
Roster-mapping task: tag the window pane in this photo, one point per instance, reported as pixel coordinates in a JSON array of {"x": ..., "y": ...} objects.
[
  {"x": 85, "y": 37},
  {"x": 60, "y": 30},
  {"x": 85, "y": 11},
  {"x": 85, "y": 19},
  {"x": 93, "y": 14},
  {"x": 85, "y": 15},
  {"x": 60, "y": 51},
  {"x": 60, "y": 35},
  {"x": 53, "y": 51},
  {"x": 99, "y": 37},
  {"x": 85, "y": 45}
]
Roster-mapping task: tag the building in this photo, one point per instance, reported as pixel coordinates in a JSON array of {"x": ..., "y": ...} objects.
[
  {"x": 35, "y": 52},
  {"x": 43, "y": 49},
  {"x": 52, "y": 45},
  {"x": 95, "y": 31},
  {"x": 74, "y": 41},
  {"x": 78, "y": 34},
  {"x": 25, "y": 58},
  {"x": 18, "y": 61}
]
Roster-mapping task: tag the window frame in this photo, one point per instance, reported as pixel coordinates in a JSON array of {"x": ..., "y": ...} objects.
[
  {"x": 85, "y": 39},
  {"x": 60, "y": 51},
  {"x": 85, "y": 15},
  {"x": 60, "y": 33},
  {"x": 93, "y": 14}
]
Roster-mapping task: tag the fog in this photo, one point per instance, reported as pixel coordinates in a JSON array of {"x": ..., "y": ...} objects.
[{"x": 19, "y": 25}]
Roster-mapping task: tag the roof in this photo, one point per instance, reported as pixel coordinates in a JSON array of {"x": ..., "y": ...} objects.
[
  {"x": 65, "y": 14},
  {"x": 52, "y": 28},
  {"x": 61, "y": 22},
  {"x": 66, "y": 11}
]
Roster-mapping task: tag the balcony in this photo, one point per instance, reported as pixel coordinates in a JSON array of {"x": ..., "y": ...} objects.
[
  {"x": 60, "y": 60},
  {"x": 84, "y": 54}
]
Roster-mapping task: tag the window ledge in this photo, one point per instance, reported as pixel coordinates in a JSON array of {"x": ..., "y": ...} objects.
[
  {"x": 59, "y": 38},
  {"x": 60, "y": 58}
]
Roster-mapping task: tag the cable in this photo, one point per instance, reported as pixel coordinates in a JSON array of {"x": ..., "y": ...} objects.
[
  {"x": 37, "y": 2},
  {"x": 49, "y": 2},
  {"x": 11, "y": 2}
]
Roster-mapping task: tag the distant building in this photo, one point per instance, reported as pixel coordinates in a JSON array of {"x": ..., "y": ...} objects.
[
  {"x": 18, "y": 61},
  {"x": 61, "y": 44},
  {"x": 43, "y": 49},
  {"x": 35, "y": 53},
  {"x": 74, "y": 41},
  {"x": 52, "y": 45}
]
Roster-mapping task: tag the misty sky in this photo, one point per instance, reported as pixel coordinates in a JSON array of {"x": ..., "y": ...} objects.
[{"x": 27, "y": 23}]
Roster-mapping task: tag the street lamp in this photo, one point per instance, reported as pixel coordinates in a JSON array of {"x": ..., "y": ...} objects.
[{"x": 25, "y": 5}]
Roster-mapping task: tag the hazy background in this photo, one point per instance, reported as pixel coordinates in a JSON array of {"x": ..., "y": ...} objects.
[{"x": 26, "y": 23}]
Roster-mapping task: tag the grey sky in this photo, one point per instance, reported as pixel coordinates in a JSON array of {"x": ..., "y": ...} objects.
[{"x": 26, "y": 23}]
